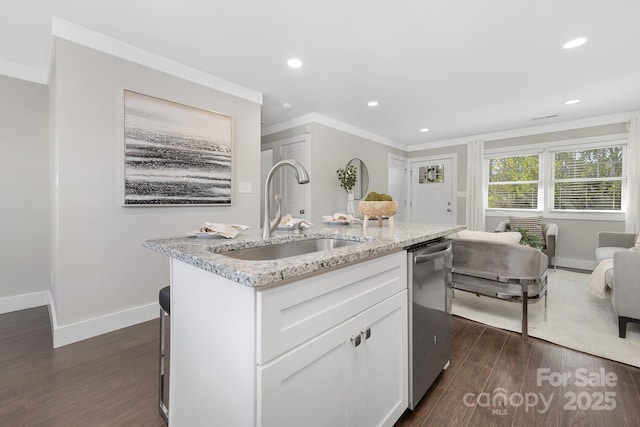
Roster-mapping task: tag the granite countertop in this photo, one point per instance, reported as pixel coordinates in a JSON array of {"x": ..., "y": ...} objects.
[{"x": 377, "y": 241}]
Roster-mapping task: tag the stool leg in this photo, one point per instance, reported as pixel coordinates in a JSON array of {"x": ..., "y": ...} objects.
[
  {"x": 163, "y": 408},
  {"x": 525, "y": 316}
]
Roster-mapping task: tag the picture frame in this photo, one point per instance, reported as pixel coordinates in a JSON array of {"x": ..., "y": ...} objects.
[{"x": 175, "y": 154}]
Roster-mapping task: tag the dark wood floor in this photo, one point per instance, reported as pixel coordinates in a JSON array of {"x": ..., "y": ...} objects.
[
  {"x": 111, "y": 380},
  {"x": 488, "y": 363}
]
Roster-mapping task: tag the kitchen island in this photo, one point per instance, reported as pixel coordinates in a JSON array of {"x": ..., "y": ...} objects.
[{"x": 314, "y": 339}]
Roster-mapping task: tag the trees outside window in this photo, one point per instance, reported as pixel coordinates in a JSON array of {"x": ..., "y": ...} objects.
[
  {"x": 588, "y": 179},
  {"x": 514, "y": 182},
  {"x": 585, "y": 179}
]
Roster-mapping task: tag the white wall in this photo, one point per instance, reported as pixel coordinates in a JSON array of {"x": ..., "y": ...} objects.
[
  {"x": 24, "y": 225},
  {"x": 100, "y": 267},
  {"x": 331, "y": 149}
]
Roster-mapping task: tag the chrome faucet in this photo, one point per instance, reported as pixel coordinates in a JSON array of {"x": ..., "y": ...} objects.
[{"x": 302, "y": 176}]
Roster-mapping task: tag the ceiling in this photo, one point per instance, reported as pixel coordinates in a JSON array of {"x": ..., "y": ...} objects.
[{"x": 457, "y": 67}]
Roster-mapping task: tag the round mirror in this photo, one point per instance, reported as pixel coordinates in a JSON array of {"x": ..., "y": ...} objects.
[{"x": 362, "y": 178}]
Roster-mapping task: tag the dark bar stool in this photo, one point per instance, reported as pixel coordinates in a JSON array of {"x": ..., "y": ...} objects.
[{"x": 165, "y": 310}]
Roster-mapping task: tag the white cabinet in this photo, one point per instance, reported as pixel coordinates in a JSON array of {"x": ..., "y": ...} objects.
[
  {"x": 352, "y": 375},
  {"x": 287, "y": 355},
  {"x": 332, "y": 349}
]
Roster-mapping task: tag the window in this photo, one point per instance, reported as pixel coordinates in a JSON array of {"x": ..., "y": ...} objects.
[
  {"x": 514, "y": 182},
  {"x": 588, "y": 179}
]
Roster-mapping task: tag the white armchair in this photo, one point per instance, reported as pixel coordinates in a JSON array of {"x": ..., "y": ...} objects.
[{"x": 623, "y": 280}]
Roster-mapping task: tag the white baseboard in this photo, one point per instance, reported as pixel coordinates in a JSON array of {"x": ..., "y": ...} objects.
[
  {"x": 23, "y": 302},
  {"x": 67, "y": 334}
]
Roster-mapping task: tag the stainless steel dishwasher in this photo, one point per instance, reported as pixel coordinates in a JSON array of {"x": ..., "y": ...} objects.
[{"x": 430, "y": 296}]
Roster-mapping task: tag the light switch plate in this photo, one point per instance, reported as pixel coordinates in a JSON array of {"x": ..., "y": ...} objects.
[{"x": 245, "y": 187}]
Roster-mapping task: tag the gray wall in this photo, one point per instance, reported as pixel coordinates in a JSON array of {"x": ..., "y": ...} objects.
[
  {"x": 99, "y": 264},
  {"x": 331, "y": 149},
  {"x": 577, "y": 239},
  {"x": 24, "y": 225}
]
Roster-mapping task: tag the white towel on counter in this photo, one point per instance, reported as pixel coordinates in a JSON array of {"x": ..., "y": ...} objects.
[
  {"x": 229, "y": 231},
  {"x": 289, "y": 221},
  {"x": 339, "y": 217}
]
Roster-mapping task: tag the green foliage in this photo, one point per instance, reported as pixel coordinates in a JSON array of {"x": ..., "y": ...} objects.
[
  {"x": 514, "y": 182},
  {"x": 583, "y": 180},
  {"x": 529, "y": 239},
  {"x": 347, "y": 177},
  {"x": 378, "y": 197},
  {"x": 596, "y": 163},
  {"x": 517, "y": 168},
  {"x": 579, "y": 179}
]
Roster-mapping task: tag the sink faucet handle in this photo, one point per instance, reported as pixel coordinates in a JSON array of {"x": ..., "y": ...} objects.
[{"x": 276, "y": 220}]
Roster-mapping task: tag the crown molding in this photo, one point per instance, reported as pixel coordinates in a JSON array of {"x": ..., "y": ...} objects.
[
  {"x": 335, "y": 124},
  {"x": 83, "y": 36},
  {"x": 23, "y": 72},
  {"x": 534, "y": 130}
]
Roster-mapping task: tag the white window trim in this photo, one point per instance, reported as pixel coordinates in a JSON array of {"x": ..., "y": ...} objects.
[{"x": 546, "y": 151}]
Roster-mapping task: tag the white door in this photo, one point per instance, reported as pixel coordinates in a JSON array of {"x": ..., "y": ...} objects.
[
  {"x": 432, "y": 191},
  {"x": 397, "y": 185},
  {"x": 267, "y": 159},
  {"x": 296, "y": 198}
]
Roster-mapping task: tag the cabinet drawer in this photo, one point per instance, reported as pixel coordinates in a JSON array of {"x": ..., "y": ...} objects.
[{"x": 290, "y": 315}]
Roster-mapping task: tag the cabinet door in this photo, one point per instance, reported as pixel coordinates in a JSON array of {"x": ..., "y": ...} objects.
[
  {"x": 381, "y": 362},
  {"x": 353, "y": 375},
  {"x": 312, "y": 385}
]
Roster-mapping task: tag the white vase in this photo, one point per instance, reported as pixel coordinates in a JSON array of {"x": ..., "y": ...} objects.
[{"x": 351, "y": 206}]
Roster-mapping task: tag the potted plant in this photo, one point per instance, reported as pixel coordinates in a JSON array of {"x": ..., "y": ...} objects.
[{"x": 348, "y": 178}]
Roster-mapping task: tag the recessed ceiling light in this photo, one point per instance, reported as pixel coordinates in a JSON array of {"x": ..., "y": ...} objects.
[
  {"x": 424, "y": 130},
  {"x": 286, "y": 105},
  {"x": 372, "y": 103},
  {"x": 572, "y": 101},
  {"x": 294, "y": 63},
  {"x": 575, "y": 43}
]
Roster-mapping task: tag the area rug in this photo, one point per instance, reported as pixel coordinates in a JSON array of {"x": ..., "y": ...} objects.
[{"x": 575, "y": 318}]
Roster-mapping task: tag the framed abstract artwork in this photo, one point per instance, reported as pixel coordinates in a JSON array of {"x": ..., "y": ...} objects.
[{"x": 175, "y": 154}]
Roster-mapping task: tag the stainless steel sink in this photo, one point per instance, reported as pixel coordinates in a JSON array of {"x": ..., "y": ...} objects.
[{"x": 289, "y": 249}]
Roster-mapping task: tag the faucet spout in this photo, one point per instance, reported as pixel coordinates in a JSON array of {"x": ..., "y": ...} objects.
[{"x": 302, "y": 176}]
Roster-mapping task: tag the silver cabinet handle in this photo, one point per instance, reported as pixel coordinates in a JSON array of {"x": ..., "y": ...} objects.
[
  {"x": 429, "y": 257},
  {"x": 366, "y": 333},
  {"x": 356, "y": 340}
]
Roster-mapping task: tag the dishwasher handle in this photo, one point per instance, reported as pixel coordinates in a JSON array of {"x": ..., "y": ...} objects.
[{"x": 430, "y": 257}]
